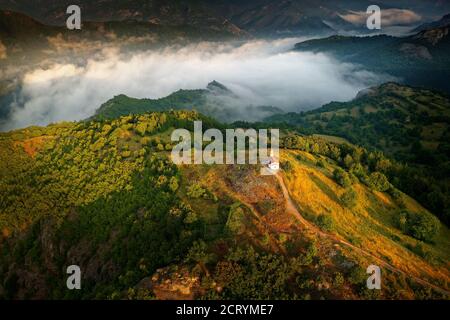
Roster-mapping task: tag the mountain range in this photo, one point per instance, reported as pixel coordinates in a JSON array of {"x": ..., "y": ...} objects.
[{"x": 259, "y": 17}]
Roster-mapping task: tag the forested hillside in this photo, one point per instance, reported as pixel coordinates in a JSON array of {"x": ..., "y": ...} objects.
[
  {"x": 215, "y": 101},
  {"x": 104, "y": 195}
]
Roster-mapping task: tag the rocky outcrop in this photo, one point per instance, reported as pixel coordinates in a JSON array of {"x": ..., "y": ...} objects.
[{"x": 172, "y": 283}]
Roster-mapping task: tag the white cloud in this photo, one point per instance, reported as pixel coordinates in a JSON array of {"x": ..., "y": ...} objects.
[
  {"x": 259, "y": 72},
  {"x": 389, "y": 17}
]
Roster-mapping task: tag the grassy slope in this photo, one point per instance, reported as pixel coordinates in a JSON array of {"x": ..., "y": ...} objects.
[{"x": 370, "y": 224}]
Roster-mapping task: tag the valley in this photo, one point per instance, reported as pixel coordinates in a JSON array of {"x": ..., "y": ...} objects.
[{"x": 357, "y": 179}]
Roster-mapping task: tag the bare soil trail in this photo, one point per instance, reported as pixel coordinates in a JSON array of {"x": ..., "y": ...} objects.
[{"x": 292, "y": 209}]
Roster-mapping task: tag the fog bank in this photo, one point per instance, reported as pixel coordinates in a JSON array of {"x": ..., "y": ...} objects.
[{"x": 259, "y": 73}]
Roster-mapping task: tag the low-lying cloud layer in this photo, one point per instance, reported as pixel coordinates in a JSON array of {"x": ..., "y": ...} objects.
[{"x": 260, "y": 73}]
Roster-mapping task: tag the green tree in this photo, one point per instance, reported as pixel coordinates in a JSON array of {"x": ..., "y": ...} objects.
[
  {"x": 348, "y": 161},
  {"x": 358, "y": 276},
  {"x": 141, "y": 128},
  {"x": 200, "y": 255},
  {"x": 311, "y": 253},
  {"x": 378, "y": 181},
  {"x": 173, "y": 184},
  {"x": 422, "y": 226},
  {"x": 342, "y": 177},
  {"x": 196, "y": 191}
]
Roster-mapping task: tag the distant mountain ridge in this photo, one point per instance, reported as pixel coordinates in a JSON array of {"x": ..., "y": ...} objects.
[
  {"x": 259, "y": 17},
  {"x": 444, "y": 22},
  {"x": 422, "y": 59},
  {"x": 17, "y": 25},
  {"x": 216, "y": 101},
  {"x": 162, "y": 12},
  {"x": 266, "y": 17},
  {"x": 29, "y": 38}
]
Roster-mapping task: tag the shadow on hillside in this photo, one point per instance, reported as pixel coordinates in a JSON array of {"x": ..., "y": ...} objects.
[{"x": 323, "y": 187}]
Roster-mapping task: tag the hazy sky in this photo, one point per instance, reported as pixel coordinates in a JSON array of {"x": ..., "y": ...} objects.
[{"x": 259, "y": 72}]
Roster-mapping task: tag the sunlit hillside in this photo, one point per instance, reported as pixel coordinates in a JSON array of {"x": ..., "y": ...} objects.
[
  {"x": 104, "y": 195},
  {"x": 368, "y": 221}
]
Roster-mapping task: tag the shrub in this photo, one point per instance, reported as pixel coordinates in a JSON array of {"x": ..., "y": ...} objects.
[
  {"x": 126, "y": 154},
  {"x": 196, "y": 191},
  {"x": 397, "y": 196},
  {"x": 266, "y": 240},
  {"x": 401, "y": 221},
  {"x": 338, "y": 280},
  {"x": 321, "y": 163},
  {"x": 395, "y": 193},
  {"x": 358, "y": 276},
  {"x": 422, "y": 226},
  {"x": 424, "y": 253},
  {"x": 378, "y": 181},
  {"x": 286, "y": 166},
  {"x": 342, "y": 177},
  {"x": 325, "y": 222},
  {"x": 349, "y": 198},
  {"x": 173, "y": 184},
  {"x": 310, "y": 254},
  {"x": 282, "y": 238}
]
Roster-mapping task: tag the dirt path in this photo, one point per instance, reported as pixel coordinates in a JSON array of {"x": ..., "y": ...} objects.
[
  {"x": 263, "y": 226},
  {"x": 292, "y": 209}
]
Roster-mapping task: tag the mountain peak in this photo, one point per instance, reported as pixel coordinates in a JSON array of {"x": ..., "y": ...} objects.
[{"x": 217, "y": 87}]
